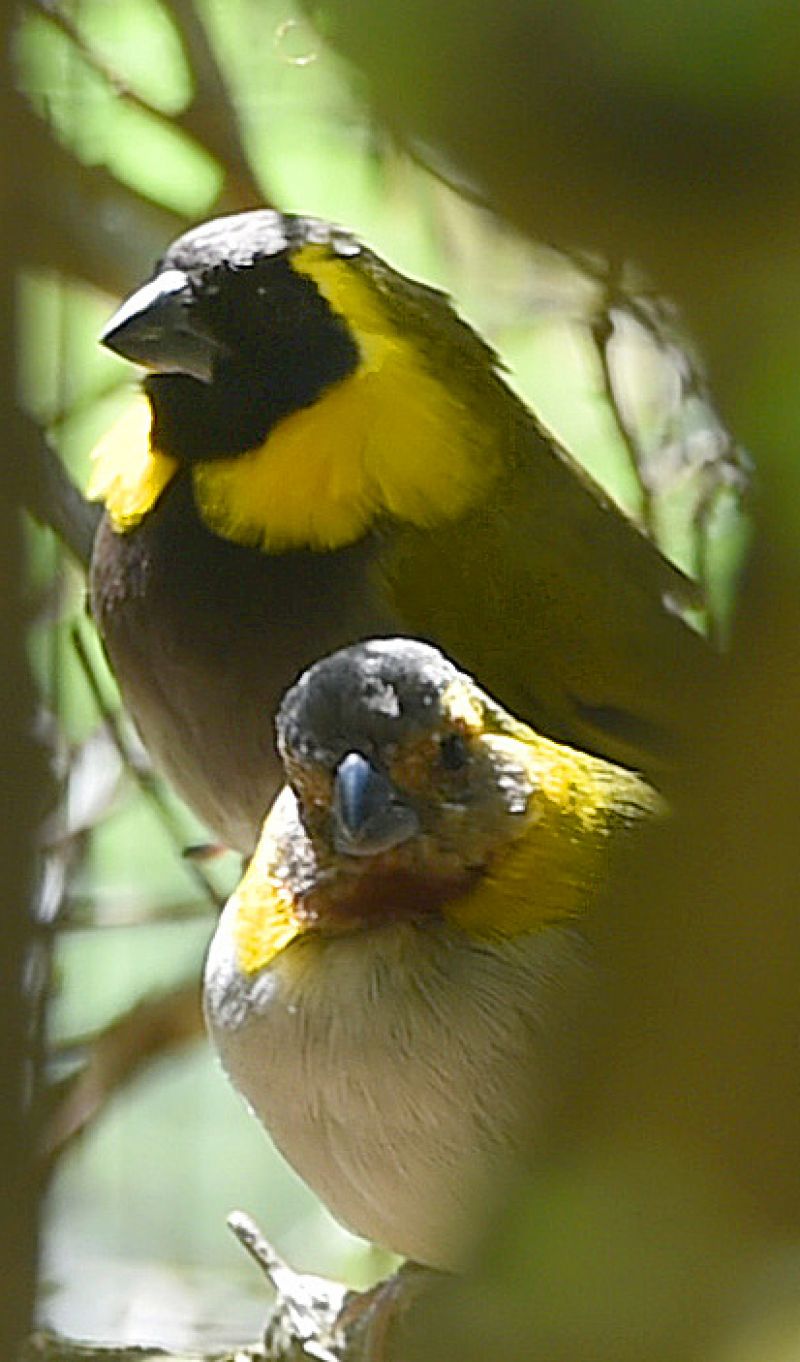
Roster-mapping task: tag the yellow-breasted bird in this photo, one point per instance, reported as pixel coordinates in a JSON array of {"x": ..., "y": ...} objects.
[
  {"x": 324, "y": 451},
  {"x": 387, "y": 985}
]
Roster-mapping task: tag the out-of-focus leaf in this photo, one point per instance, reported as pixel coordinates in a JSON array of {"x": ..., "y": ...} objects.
[
  {"x": 141, "y": 45},
  {"x": 92, "y": 787},
  {"x": 83, "y": 222},
  {"x": 140, "y": 147}
]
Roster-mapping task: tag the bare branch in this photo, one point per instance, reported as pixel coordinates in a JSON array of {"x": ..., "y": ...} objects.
[
  {"x": 602, "y": 330},
  {"x": 211, "y": 117},
  {"x": 80, "y": 220},
  {"x": 48, "y": 1347},
  {"x": 148, "y": 786},
  {"x": 56, "y": 16},
  {"x": 115, "y": 1056},
  {"x": 53, "y": 498},
  {"x": 308, "y": 1308},
  {"x": 210, "y": 120}
]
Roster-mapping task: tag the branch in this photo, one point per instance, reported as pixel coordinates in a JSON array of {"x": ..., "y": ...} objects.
[
  {"x": 147, "y": 1031},
  {"x": 80, "y": 220},
  {"x": 211, "y": 118},
  {"x": 53, "y": 498},
  {"x": 148, "y": 786},
  {"x": 25, "y": 789},
  {"x": 312, "y": 1317},
  {"x": 56, "y": 16},
  {"x": 602, "y": 328},
  {"x": 47, "y": 1347}
]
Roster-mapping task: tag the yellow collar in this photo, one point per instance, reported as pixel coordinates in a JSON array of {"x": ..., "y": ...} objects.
[{"x": 389, "y": 440}]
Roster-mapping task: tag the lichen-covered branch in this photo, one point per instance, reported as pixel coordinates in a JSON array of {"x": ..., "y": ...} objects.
[{"x": 46, "y": 1347}]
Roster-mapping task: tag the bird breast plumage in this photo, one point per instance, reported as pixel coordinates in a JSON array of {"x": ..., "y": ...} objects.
[{"x": 398, "y": 1068}]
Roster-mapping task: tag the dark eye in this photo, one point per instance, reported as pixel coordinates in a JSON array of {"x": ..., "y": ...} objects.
[{"x": 453, "y": 752}]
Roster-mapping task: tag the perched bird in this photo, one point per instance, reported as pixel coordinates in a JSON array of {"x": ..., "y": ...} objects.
[
  {"x": 323, "y": 451},
  {"x": 386, "y": 985}
]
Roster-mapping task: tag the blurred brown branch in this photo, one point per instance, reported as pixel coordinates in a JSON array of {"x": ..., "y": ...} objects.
[
  {"x": 594, "y": 132},
  {"x": 53, "y": 498},
  {"x": 665, "y": 1218},
  {"x": 23, "y": 794},
  {"x": 114, "y": 1057},
  {"x": 47, "y": 1347},
  {"x": 80, "y": 220},
  {"x": 211, "y": 117}
]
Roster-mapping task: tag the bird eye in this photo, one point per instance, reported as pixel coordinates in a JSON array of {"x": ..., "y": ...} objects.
[{"x": 453, "y": 752}]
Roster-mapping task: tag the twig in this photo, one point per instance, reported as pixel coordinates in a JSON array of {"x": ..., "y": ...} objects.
[
  {"x": 84, "y": 912},
  {"x": 49, "y": 1347},
  {"x": 53, "y": 498},
  {"x": 211, "y": 117},
  {"x": 55, "y": 15},
  {"x": 430, "y": 160},
  {"x": 308, "y": 1307},
  {"x": 602, "y": 328},
  {"x": 115, "y": 1055},
  {"x": 148, "y": 786}
]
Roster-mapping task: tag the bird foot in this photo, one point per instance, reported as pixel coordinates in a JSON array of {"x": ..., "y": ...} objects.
[{"x": 368, "y": 1319}]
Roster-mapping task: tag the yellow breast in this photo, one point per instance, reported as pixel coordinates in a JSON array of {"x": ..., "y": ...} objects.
[
  {"x": 551, "y": 870},
  {"x": 128, "y": 473},
  {"x": 390, "y": 440}
]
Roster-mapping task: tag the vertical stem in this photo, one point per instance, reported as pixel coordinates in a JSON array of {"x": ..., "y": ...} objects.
[{"x": 22, "y": 785}]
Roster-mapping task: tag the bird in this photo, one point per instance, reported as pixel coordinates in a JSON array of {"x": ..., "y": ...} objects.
[
  {"x": 387, "y": 985},
  {"x": 321, "y": 450}
]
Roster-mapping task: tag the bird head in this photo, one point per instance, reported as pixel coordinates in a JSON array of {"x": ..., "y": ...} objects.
[
  {"x": 388, "y": 746},
  {"x": 234, "y": 332},
  {"x": 310, "y": 389},
  {"x": 412, "y": 795}
]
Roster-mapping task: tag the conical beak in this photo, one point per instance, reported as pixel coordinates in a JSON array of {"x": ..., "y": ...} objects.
[
  {"x": 368, "y": 813},
  {"x": 158, "y": 327}
]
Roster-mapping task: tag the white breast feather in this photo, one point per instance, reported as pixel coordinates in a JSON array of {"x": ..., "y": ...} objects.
[{"x": 397, "y": 1069}]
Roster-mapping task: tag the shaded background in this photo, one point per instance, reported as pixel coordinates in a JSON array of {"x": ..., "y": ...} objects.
[{"x": 656, "y": 154}]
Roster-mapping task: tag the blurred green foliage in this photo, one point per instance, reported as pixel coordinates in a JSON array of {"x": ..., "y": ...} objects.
[{"x": 211, "y": 107}]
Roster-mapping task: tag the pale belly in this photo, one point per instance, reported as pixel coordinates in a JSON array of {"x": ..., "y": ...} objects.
[{"x": 399, "y": 1070}]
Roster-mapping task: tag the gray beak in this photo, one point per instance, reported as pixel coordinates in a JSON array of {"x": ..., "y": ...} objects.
[
  {"x": 157, "y": 327},
  {"x": 369, "y": 815}
]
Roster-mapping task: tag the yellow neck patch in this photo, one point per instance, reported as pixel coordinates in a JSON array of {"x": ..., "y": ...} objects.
[
  {"x": 553, "y": 870},
  {"x": 264, "y": 924},
  {"x": 128, "y": 475},
  {"x": 550, "y": 872},
  {"x": 262, "y": 912},
  {"x": 388, "y": 440}
]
